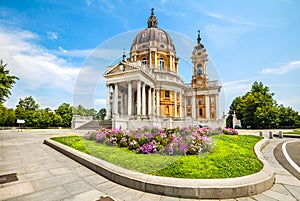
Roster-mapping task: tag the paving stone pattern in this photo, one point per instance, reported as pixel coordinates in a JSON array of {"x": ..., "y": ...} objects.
[{"x": 45, "y": 174}]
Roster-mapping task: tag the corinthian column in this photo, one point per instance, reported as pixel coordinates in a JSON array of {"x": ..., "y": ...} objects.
[
  {"x": 149, "y": 102},
  {"x": 129, "y": 98},
  {"x": 144, "y": 99},
  {"x": 138, "y": 98},
  {"x": 194, "y": 108},
  {"x": 175, "y": 104},
  {"x": 108, "y": 106},
  {"x": 157, "y": 102},
  {"x": 207, "y": 107},
  {"x": 180, "y": 104},
  {"x": 116, "y": 99}
]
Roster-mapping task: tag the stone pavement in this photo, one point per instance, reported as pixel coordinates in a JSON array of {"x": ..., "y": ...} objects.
[{"x": 45, "y": 174}]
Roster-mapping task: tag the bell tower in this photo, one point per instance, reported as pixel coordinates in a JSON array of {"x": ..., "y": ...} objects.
[{"x": 199, "y": 59}]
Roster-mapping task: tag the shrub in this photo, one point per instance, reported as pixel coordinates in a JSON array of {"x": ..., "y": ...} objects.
[
  {"x": 230, "y": 131},
  {"x": 146, "y": 140}
]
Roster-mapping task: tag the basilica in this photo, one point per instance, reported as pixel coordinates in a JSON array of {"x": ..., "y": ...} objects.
[{"x": 145, "y": 89}]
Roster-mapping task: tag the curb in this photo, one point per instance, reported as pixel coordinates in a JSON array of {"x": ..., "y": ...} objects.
[{"x": 176, "y": 187}]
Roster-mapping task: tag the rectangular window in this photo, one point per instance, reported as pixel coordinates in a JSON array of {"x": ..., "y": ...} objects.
[
  {"x": 200, "y": 101},
  {"x": 189, "y": 112},
  {"x": 212, "y": 100},
  {"x": 212, "y": 113},
  {"x": 167, "y": 94},
  {"x": 188, "y": 101}
]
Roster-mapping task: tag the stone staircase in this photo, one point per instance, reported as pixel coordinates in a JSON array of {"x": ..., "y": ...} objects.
[{"x": 95, "y": 124}]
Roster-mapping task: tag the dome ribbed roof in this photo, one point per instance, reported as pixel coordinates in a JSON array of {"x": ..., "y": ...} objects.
[{"x": 153, "y": 37}]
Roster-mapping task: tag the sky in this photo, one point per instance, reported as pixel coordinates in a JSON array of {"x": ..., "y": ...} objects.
[{"x": 53, "y": 45}]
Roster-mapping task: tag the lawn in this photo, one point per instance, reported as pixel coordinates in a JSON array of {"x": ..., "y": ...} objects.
[
  {"x": 233, "y": 156},
  {"x": 296, "y": 131}
]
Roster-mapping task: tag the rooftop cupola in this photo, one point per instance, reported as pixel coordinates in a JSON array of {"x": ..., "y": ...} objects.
[{"x": 152, "y": 21}]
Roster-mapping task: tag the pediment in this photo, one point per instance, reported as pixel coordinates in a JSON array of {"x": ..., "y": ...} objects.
[{"x": 119, "y": 68}]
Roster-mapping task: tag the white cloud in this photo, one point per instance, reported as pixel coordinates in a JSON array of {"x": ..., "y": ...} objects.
[
  {"x": 291, "y": 102},
  {"x": 238, "y": 87},
  {"x": 35, "y": 66},
  {"x": 61, "y": 49},
  {"x": 52, "y": 35},
  {"x": 99, "y": 53},
  {"x": 101, "y": 102},
  {"x": 291, "y": 66}
]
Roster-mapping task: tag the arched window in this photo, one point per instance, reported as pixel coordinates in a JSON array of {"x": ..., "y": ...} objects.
[
  {"x": 200, "y": 112},
  {"x": 162, "y": 63},
  {"x": 144, "y": 61},
  {"x": 167, "y": 110},
  {"x": 199, "y": 69}
]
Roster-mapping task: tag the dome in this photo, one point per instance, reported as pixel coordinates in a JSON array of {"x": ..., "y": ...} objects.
[{"x": 153, "y": 37}]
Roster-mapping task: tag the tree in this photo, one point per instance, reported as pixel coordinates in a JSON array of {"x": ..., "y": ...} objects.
[
  {"x": 65, "y": 111},
  {"x": 91, "y": 112},
  {"x": 41, "y": 118},
  {"x": 6, "y": 82},
  {"x": 25, "y": 110},
  {"x": 58, "y": 120},
  {"x": 101, "y": 114},
  {"x": 232, "y": 110},
  {"x": 28, "y": 103},
  {"x": 7, "y": 116},
  {"x": 257, "y": 108},
  {"x": 288, "y": 117},
  {"x": 80, "y": 110}
]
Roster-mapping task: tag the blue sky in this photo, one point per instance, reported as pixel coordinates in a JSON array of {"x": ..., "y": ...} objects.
[{"x": 47, "y": 43}]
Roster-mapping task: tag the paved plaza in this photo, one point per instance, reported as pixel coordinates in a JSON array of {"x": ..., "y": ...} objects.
[{"x": 45, "y": 174}]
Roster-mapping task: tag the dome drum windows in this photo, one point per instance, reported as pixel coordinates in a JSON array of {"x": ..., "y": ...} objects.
[
  {"x": 161, "y": 63},
  {"x": 144, "y": 61},
  {"x": 167, "y": 94}
]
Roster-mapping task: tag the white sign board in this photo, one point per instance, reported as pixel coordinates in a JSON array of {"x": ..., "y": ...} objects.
[{"x": 20, "y": 121}]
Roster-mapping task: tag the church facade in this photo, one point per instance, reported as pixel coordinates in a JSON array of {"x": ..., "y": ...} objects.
[{"x": 146, "y": 90}]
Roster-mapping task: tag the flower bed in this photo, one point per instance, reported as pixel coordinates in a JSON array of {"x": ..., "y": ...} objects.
[{"x": 145, "y": 140}]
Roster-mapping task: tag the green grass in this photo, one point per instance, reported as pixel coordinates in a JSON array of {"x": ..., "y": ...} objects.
[
  {"x": 296, "y": 131},
  {"x": 233, "y": 157}
]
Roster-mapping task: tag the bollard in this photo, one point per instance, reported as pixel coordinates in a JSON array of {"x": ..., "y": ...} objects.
[
  {"x": 260, "y": 133},
  {"x": 270, "y": 135},
  {"x": 280, "y": 134}
]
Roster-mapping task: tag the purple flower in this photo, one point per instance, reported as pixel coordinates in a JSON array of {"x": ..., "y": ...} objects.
[{"x": 183, "y": 147}]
